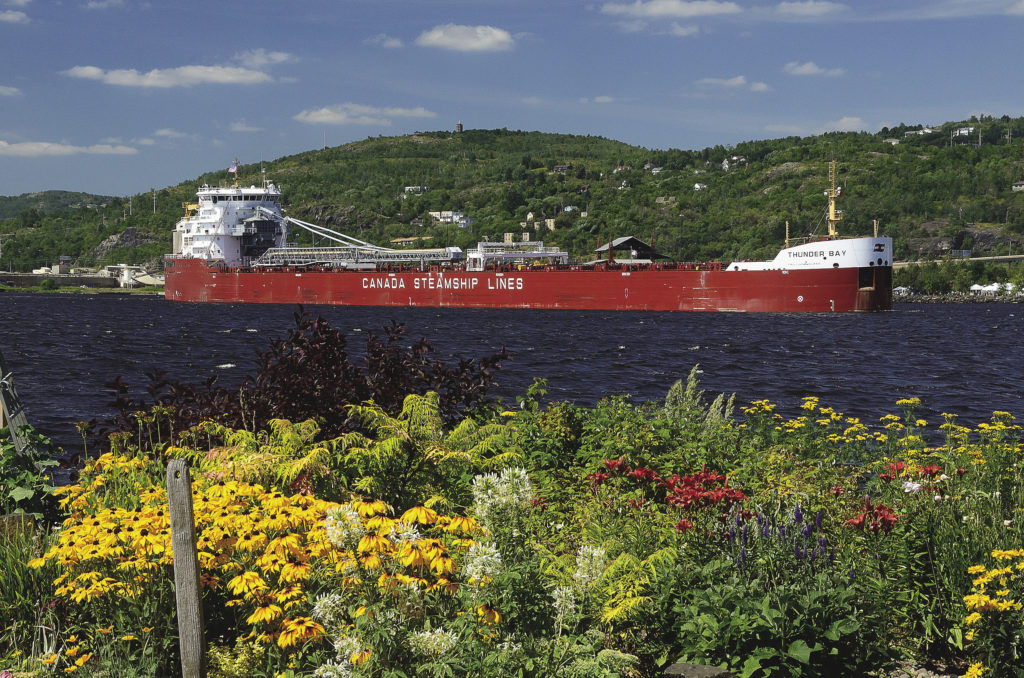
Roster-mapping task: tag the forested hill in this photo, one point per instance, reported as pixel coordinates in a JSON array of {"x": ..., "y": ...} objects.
[
  {"x": 48, "y": 201},
  {"x": 948, "y": 187}
]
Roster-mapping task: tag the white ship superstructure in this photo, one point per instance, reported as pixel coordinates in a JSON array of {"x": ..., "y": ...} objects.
[{"x": 231, "y": 224}]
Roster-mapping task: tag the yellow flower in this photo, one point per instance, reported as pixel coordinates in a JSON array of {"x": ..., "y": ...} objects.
[
  {"x": 247, "y": 583},
  {"x": 265, "y": 614},
  {"x": 368, "y": 509},
  {"x": 420, "y": 514},
  {"x": 975, "y": 670},
  {"x": 294, "y": 572},
  {"x": 488, "y": 615},
  {"x": 298, "y": 630}
]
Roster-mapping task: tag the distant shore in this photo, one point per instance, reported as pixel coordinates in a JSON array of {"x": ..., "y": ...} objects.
[
  {"x": 85, "y": 290},
  {"x": 956, "y": 298}
]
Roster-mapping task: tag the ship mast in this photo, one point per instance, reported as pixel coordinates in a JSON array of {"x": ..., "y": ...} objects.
[{"x": 833, "y": 192}]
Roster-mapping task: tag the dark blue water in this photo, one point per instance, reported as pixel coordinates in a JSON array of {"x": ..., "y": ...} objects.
[{"x": 964, "y": 359}]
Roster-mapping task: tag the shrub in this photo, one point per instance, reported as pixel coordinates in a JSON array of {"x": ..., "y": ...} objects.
[{"x": 310, "y": 375}]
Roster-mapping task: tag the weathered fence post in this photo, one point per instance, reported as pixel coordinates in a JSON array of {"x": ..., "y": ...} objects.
[{"x": 186, "y": 571}]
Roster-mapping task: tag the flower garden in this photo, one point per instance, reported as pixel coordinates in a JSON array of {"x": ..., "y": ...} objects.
[{"x": 548, "y": 540}]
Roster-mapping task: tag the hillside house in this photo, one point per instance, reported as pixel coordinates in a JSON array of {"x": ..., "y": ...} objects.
[{"x": 451, "y": 217}]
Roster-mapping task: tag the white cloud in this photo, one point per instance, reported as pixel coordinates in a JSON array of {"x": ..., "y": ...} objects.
[
  {"x": 467, "y": 38},
  {"x": 9, "y": 91},
  {"x": 35, "y": 149},
  {"x": 1016, "y": 8},
  {"x": 602, "y": 99},
  {"x": 18, "y": 3},
  {"x": 811, "y": 68},
  {"x": 844, "y": 124},
  {"x": 12, "y": 17},
  {"x": 358, "y": 114},
  {"x": 680, "y": 9},
  {"x": 383, "y": 40},
  {"x": 183, "y": 76},
  {"x": 169, "y": 133},
  {"x": 633, "y": 26},
  {"x": 104, "y": 4},
  {"x": 809, "y": 8},
  {"x": 533, "y": 101},
  {"x": 683, "y": 31},
  {"x": 736, "y": 83},
  {"x": 243, "y": 126},
  {"x": 256, "y": 58},
  {"x": 145, "y": 141}
]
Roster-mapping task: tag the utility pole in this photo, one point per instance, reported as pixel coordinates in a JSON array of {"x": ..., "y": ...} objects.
[{"x": 154, "y": 199}]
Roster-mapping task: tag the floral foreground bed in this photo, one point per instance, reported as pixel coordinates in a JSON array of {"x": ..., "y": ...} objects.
[{"x": 552, "y": 541}]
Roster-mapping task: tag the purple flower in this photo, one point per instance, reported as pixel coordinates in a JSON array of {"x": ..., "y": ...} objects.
[
  {"x": 808, "y": 530},
  {"x": 744, "y": 535},
  {"x": 798, "y": 515},
  {"x": 817, "y": 520},
  {"x": 796, "y": 550}
]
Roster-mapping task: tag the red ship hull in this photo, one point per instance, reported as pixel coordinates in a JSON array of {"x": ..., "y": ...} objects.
[{"x": 664, "y": 288}]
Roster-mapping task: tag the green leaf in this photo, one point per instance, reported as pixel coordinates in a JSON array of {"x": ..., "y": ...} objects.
[
  {"x": 21, "y": 493},
  {"x": 750, "y": 667},
  {"x": 799, "y": 651}
]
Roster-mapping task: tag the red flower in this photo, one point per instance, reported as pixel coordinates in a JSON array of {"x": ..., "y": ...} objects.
[
  {"x": 858, "y": 522},
  {"x": 642, "y": 474},
  {"x": 875, "y": 518},
  {"x": 893, "y": 471},
  {"x": 684, "y": 525},
  {"x": 931, "y": 471},
  {"x": 614, "y": 465},
  {"x": 597, "y": 478}
]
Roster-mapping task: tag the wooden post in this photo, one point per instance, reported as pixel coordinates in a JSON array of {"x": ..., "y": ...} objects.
[{"x": 186, "y": 571}]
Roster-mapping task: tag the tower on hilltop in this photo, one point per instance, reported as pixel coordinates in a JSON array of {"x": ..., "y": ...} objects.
[{"x": 458, "y": 127}]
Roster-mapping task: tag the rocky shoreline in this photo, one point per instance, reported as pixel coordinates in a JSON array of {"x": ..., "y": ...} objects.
[{"x": 956, "y": 298}]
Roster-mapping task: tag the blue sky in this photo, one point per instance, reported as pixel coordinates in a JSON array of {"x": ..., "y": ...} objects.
[{"x": 120, "y": 96}]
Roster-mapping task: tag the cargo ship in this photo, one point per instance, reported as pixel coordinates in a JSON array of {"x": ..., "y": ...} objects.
[{"x": 232, "y": 247}]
